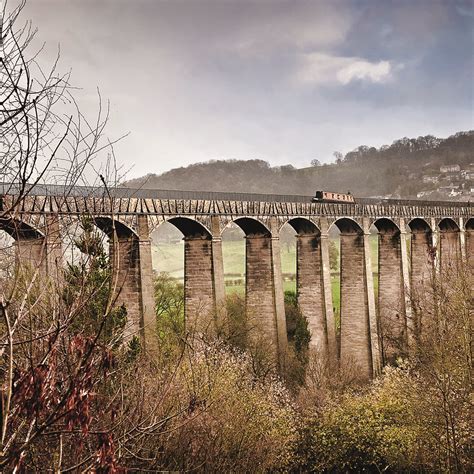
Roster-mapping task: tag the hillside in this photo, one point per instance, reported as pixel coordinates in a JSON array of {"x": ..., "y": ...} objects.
[{"x": 409, "y": 167}]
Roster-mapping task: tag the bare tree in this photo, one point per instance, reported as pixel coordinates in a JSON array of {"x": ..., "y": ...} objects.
[
  {"x": 338, "y": 156},
  {"x": 44, "y": 136},
  {"x": 48, "y": 374}
]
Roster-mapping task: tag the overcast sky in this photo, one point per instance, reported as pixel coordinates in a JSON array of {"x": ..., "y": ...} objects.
[{"x": 283, "y": 81}]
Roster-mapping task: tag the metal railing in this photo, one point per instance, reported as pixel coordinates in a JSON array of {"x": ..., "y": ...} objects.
[{"x": 142, "y": 193}]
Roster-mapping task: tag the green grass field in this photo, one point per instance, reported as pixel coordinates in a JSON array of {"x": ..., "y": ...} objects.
[{"x": 170, "y": 258}]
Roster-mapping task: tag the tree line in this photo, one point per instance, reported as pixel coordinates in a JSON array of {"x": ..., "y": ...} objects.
[{"x": 391, "y": 170}]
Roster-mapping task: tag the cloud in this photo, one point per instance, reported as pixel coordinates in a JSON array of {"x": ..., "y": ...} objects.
[
  {"x": 364, "y": 70},
  {"x": 319, "y": 68},
  {"x": 262, "y": 28}
]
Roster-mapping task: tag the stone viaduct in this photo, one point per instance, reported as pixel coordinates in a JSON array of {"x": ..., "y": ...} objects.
[{"x": 416, "y": 238}]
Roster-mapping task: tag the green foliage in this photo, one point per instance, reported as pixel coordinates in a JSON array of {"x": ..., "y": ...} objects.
[
  {"x": 296, "y": 325},
  {"x": 169, "y": 310},
  {"x": 416, "y": 417},
  {"x": 372, "y": 432},
  {"x": 89, "y": 281},
  {"x": 298, "y": 342},
  {"x": 134, "y": 349},
  {"x": 236, "y": 327},
  {"x": 392, "y": 427},
  {"x": 223, "y": 419},
  {"x": 333, "y": 256}
]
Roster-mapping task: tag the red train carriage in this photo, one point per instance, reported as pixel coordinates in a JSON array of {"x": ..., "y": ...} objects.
[{"x": 328, "y": 196}]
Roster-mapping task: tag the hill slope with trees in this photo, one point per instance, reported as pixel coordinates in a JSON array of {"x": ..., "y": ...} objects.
[{"x": 396, "y": 170}]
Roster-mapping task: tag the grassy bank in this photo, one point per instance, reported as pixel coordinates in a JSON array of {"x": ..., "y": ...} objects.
[{"x": 170, "y": 258}]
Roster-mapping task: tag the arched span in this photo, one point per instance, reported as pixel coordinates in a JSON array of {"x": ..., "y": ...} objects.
[
  {"x": 386, "y": 226},
  {"x": 20, "y": 230},
  {"x": 252, "y": 227},
  {"x": 304, "y": 226},
  {"x": 470, "y": 225},
  {"x": 419, "y": 226},
  {"x": 109, "y": 225},
  {"x": 448, "y": 225},
  {"x": 190, "y": 228},
  {"x": 348, "y": 226}
]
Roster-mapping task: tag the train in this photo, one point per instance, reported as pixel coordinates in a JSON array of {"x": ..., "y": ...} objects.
[{"x": 328, "y": 196}]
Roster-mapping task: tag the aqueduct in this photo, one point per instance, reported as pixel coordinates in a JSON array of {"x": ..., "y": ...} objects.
[{"x": 438, "y": 233}]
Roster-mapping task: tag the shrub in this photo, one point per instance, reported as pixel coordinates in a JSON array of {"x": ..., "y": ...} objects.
[
  {"x": 370, "y": 432},
  {"x": 214, "y": 416}
]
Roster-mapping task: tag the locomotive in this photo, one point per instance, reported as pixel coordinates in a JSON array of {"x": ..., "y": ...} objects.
[{"x": 328, "y": 196}]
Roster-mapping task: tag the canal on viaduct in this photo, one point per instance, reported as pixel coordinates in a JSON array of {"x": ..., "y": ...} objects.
[{"x": 440, "y": 234}]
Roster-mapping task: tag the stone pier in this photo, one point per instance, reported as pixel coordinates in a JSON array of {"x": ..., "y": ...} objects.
[
  {"x": 198, "y": 285},
  {"x": 469, "y": 243},
  {"x": 391, "y": 297},
  {"x": 449, "y": 245},
  {"x": 356, "y": 346},
  {"x": 264, "y": 299},
  {"x": 423, "y": 258},
  {"x": 309, "y": 286}
]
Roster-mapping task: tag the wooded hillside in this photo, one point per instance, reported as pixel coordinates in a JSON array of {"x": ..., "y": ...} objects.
[{"x": 395, "y": 170}]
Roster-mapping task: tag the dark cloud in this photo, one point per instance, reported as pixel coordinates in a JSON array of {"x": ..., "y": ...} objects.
[{"x": 284, "y": 81}]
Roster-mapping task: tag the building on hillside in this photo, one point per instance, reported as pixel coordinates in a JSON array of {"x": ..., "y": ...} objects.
[
  {"x": 468, "y": 175},
  {"x": 450, "y": 168},
  {"x": 451, "y": 176},
  {"x": 451, "y": 190},
  {"x": 424, "y": 194},
  {"x": 430, "y": 178}
]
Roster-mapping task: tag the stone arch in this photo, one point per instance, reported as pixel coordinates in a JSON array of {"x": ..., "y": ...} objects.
[
  {"x": 386, "y": 226},
  {"x": 313, "y": 287},
  {"x": 20, "y": 230},
  {"x": 29, "y": 243},
  {"x": 252, "y": 227},
  {"x": 469, "y": 226},
  {"x": 422, "y": 251},
  {"x": 109, "y": 225},
  {"x": 125, "y": 260},
  {"x": 423, "y": 256},
  {"x": 419, "y": 225},
  {"x": 348, "y": 226},
  {"x": 448, "y": 225},
  {"x": 264, "y": 302},
  {"x": 202, "y": 262},
  {"x": 304, "y": 226},
  {"x": 190, "y": 228}
]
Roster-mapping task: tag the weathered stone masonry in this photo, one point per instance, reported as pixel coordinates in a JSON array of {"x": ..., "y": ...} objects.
[
  {"x": 391, "y": 301},
  {"x": 440, "y": 232},
  {"x": 355, "y": 324},
  {"x": 198, "y": 283},
  {"x": 310, "y": 288}
]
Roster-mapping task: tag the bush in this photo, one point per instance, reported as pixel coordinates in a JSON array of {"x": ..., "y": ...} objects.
[
  {"x": 169, "y": 310},
  {"x": 372, "y": 432},
  {"x": 213, "y": 416},
  {"x": 298, "y": 343},
  {"x": 415, "y": 417}
]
